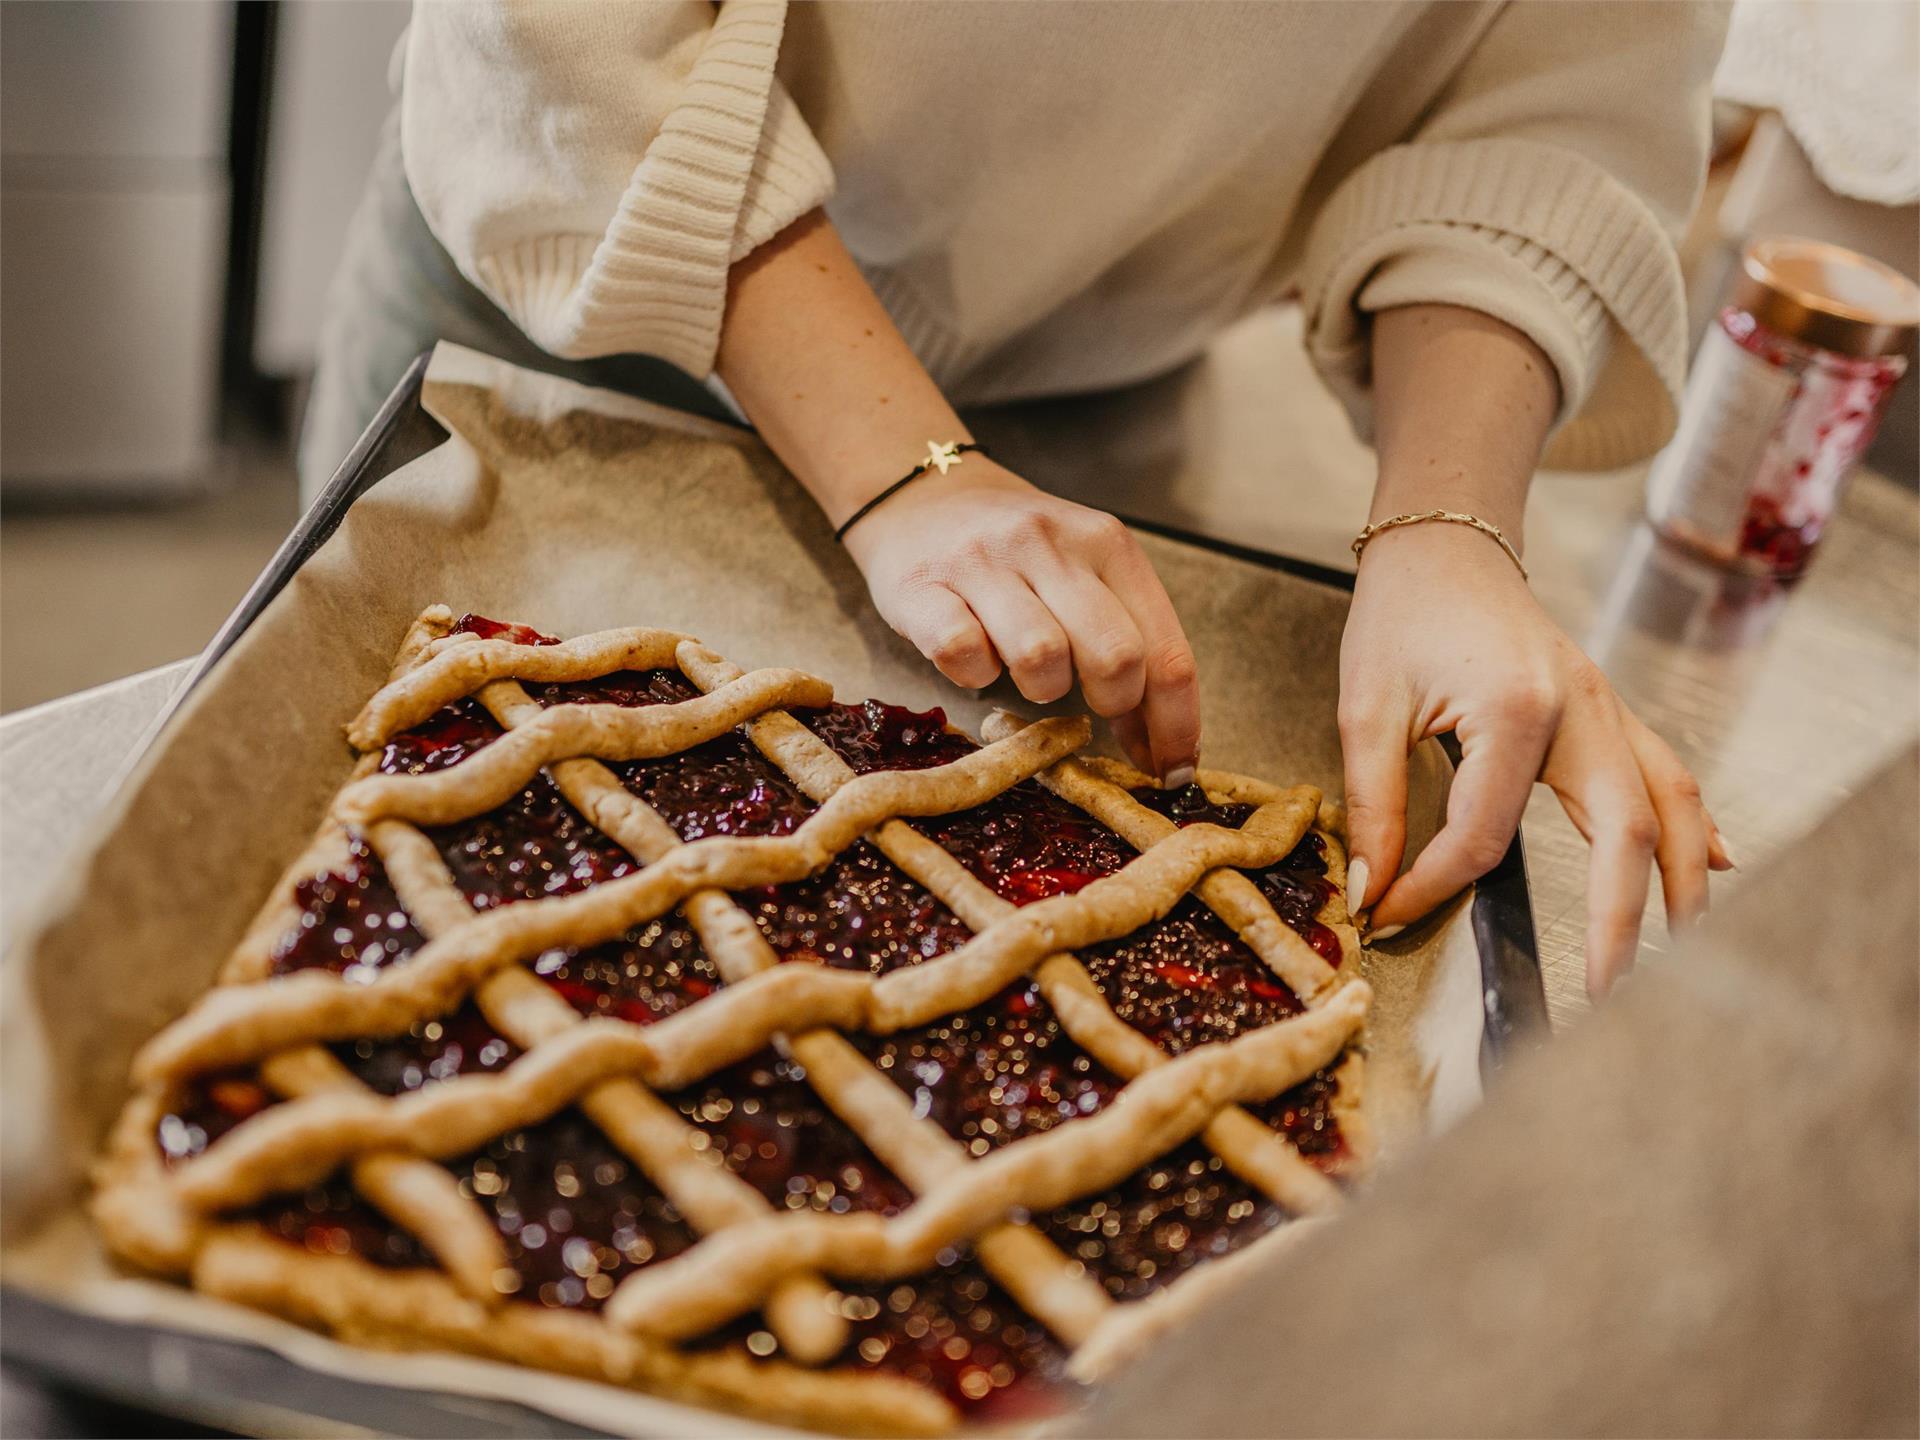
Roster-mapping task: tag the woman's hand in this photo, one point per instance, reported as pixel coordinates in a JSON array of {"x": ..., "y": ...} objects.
[
  {"x": 982, "y": 572},
  {"x": 1444, "y": 635}
]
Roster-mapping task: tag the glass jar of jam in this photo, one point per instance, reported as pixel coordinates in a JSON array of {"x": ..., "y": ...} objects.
[{"x": 1787, "y": 390}]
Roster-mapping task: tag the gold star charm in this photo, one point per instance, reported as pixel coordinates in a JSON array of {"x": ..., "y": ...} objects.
[{"x": 942, "y": 457}]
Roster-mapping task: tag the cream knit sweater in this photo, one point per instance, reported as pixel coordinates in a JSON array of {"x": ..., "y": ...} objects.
[{"x": 1053, "y": 197}]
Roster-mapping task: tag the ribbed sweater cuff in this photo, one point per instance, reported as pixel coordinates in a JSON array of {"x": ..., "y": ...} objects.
[
  {"x": 1511, "y": 279},
  {"x": 732, "y": 166},
  {"x": 1535, "y": 235}
]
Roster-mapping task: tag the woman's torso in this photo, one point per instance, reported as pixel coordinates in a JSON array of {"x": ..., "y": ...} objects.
[{"x": 1049, "y": 208}]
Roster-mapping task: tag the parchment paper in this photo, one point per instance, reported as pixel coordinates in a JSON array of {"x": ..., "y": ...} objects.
[{"x": 571, "y": 510}]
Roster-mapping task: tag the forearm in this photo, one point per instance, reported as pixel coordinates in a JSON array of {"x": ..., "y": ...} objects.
[
  {"x": 818, "y": 366},
  {"x": 1462, "y": 404}
]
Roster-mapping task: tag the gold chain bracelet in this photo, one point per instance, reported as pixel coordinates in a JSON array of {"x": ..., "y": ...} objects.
[{"x": 1452, "y": 517}]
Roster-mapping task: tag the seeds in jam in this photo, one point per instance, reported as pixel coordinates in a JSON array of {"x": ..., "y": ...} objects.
[{"x": 574, "y": 1213}]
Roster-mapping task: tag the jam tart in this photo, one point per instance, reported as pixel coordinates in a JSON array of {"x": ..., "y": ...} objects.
[{"x": 642, "y": 1018}]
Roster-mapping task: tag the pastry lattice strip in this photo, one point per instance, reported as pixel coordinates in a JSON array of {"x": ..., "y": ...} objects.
[{"x": 996, "y": 971}]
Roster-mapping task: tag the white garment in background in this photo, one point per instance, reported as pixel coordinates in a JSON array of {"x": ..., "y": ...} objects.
[{"x": 1845, "y": 78}]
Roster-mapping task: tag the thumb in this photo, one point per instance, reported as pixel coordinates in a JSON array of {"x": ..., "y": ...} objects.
[{"x": 1373, "y": 743}]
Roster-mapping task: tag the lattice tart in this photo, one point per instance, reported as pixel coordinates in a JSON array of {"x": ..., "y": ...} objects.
[{"x": 640, "y": 1018}]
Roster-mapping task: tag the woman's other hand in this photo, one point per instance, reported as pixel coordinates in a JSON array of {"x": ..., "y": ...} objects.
[{"x": 1445, "y": 635}]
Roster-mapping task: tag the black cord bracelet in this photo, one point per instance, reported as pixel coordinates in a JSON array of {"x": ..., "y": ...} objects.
[{"x": 939, "y": 457}]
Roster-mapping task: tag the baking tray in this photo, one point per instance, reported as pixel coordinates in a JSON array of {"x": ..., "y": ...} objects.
[{"x": 220, "y": 1383}]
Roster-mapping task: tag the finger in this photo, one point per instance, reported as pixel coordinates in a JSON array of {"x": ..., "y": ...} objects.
[
  {"x": 1593, "y": 771},
  {"x": 1500, "y": 758},
  {"x": 1170, "y": 701},
  {"x": 1719, "y": 855},
  {"x": 1373, "y": 744},
  {"x": 1024, "y": 633},
  {"x": 1683, "y": 850},
  {"x": 938, "y": 624},
  {"x": 1108, "y": 654},
  {"x": 1130, "y": 730}
]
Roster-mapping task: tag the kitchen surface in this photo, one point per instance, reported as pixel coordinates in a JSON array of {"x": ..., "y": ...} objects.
[{"x": 176, "y": 195}]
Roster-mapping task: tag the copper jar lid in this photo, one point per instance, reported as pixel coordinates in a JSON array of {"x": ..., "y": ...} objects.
[{"x": 1828, "y": 296}]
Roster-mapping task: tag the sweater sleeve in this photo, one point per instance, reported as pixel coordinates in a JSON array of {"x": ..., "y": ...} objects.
[
  {"x": 596, "y": 166},
  {"x": 1547, "y": 187}
]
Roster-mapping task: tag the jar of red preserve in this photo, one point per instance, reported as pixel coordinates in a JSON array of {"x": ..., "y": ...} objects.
[{"x": 1787, "y": 390}]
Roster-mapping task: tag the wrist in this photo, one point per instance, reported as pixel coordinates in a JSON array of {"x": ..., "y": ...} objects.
[
  {"x": 941, "y": 460},
  {"x": 1500, "y": 501},
  {"x": 1439, "y": 548},
  {"x": 869, "y": 450}
]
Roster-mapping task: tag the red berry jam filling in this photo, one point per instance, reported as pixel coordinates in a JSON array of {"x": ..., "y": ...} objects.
[
  {"x": 622, "y": 687},
  {"x": 996, "y": 1073},
  {"x": 1160, "y": 1221},
  {"x": 462, "y": 1043},
  {"x": 350, "y": 920},
  {"x": 954, "y": 1330},
  {"x": 207, "y": 1108},
  {"x": 1297, "y": 887},
  {"x": 1188, "y": 980},
  {"x": 486, "y": 629},
  {"x": 330, "y": 1219},
  {"x": 575, "y": 1215},
  {"x": 647, "y": 974},
  {"x": 876, "y": 736},
  {"x": 950, "y": 1328},
  {"x": 533, "y": 846},
  {"x": 1305, "y": 1115},
  {"x": 443, "y": 740},
  {"x": 773, "y": 1131},
  {"x": 1185, "y": 981},
  {"x": 1004, "y": 1071}
]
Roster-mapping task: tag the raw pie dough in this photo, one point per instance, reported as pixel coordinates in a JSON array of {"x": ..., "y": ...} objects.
[{"x": 511, "y": 1063}]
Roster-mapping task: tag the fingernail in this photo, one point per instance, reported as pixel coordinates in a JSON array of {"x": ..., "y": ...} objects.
[
  {"x": 1357, "y": 877},
  {"x": 1726, "y": 852},
  {"x": 1385, "y": 932},
  {"x": 1179, "y": 776}
]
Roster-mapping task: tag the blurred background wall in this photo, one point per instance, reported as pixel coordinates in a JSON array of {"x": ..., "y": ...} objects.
[{"x": 177, "y": 177}]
